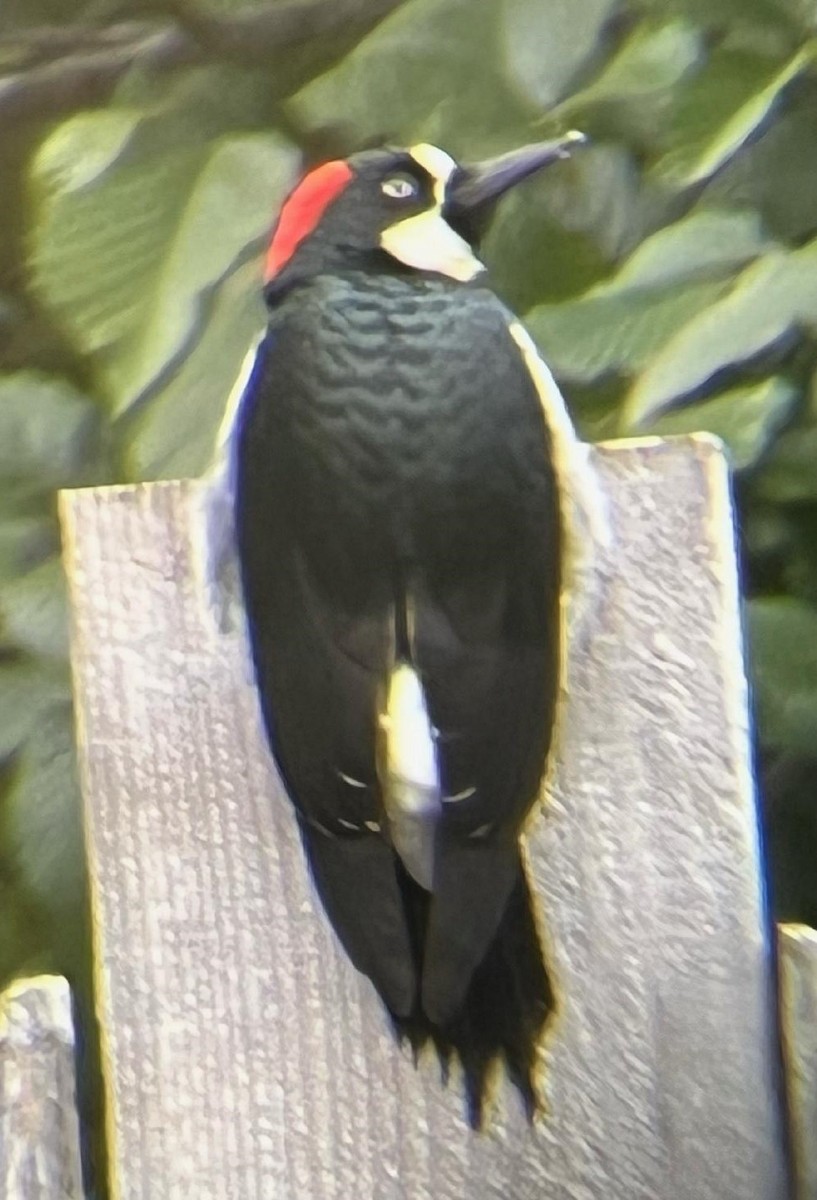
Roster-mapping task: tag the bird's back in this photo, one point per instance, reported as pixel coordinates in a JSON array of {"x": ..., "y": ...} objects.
[{"x": 398, "y": 408}]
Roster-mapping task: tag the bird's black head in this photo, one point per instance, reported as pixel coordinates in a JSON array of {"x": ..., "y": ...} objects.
[{"x": 397, "y": 210}]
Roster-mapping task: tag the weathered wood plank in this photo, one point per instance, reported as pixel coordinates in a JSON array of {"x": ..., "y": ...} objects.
[
  {"x": 39, "y": 1130},
  {"x": 798, "y": 980},
  {"x": 247, "y": 1059}
]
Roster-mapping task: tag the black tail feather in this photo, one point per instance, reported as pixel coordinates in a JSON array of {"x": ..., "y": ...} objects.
[{"x": 506, "y": 1009}]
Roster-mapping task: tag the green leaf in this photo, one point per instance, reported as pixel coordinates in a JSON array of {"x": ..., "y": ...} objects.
[
  {"x": 596, "y": 193},
  {"x": 173, "y": 437},
  {"x": 24, "y": 931},
  {"x": 24, "y": 542},
  {"x": 745, "y": 418},
  {"x": 79, "y": 152},
  {"x": 532, "y": 258},
  {"x": 232, "y": 205},
  {"x": 766, "y": 534},
  {"x": 650, "y": 294},
  {"x": 546, "y": 44},
  {"x": 622, "y": 323},
  {"x": 48, "y": 431},
  {"x": 162, "y": 208},
  {"x": 783, "y": 645},
  {"x": 652, "y": 60},
  {"x": 27, "y": 689},
  {"x": 768, "y": 300},
  {"x": 708, "y": 242},
  {"x": 588, "y": 338},
  {"x": 777, "y": 174},
  {"x": 790, "y": 475},
  {"x": 552, "y": 238},
  {"x": 764, "y": 16},
  {"x": 97, "y": 248},
  {"x": 42, "y": 823},
  {"x": 429, "y": 72},
  {"x": 33, "y": 611},
  {"x": 721, "y": 110},
  {"x": 23, "y": 14}
]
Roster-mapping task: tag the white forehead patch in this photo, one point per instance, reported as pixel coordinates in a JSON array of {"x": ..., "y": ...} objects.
[{"x": 439, "y": 165}]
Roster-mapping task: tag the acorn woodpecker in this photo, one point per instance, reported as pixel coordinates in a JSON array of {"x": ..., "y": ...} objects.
[{"x": 400, "y": 468}]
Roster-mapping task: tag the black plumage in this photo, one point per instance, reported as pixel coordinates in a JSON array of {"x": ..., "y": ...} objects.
[{"x": 397, "y": 501}]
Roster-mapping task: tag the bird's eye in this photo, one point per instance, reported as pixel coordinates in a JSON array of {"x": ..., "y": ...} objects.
[{"x": 400, "y": 187}]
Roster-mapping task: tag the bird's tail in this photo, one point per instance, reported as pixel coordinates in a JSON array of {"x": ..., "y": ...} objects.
[{"x": 506, "y": 1009}]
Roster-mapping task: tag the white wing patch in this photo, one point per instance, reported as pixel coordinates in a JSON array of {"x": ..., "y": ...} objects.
[
  {"x": 214, "y": 551},
  {"x": 411, "y": 785},
  {"x": 585, "y": 521},
  {"x": 588, "y": 526}
]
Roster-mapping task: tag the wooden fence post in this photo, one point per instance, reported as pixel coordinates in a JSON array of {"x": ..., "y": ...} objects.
[
  {"x": 246, "y": 1058},
  {"x": 39, "y": 1132},
  {"x": 798, "y": 979}
]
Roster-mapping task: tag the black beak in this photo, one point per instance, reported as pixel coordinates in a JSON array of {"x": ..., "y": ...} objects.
[{"x": 476, "y": 186}]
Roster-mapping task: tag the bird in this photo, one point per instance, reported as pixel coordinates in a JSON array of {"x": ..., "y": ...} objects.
[{"x": 401, "y": 466}]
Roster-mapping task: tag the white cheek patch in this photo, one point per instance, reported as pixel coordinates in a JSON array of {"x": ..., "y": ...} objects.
[{"x": 428, "y": 243}]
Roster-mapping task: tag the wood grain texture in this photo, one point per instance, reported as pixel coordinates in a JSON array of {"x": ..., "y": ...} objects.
[
  {"x": 39, "y": 1132},
  {"x": 247, "y": 1059},
  {"x": 798, "y": 979}
]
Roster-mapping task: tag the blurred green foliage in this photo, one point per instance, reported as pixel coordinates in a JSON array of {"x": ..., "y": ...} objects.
[{"x": 669, "y": 273}]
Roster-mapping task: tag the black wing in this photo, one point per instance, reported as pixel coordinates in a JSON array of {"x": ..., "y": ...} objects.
[
  {"x": 472, "y": 547},
  {"x": 487, "y": 645},
  {"x": 321, "y": 657}
]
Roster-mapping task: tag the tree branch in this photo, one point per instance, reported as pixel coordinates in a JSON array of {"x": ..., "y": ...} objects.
[
  {"x": 252, "y": 37},
  {"x": 52, "y": 70},
  {"x": 85, "y": 79}
]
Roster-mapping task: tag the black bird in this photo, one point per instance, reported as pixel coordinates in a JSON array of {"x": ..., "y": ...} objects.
[{"x": 399, "y": 475}]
